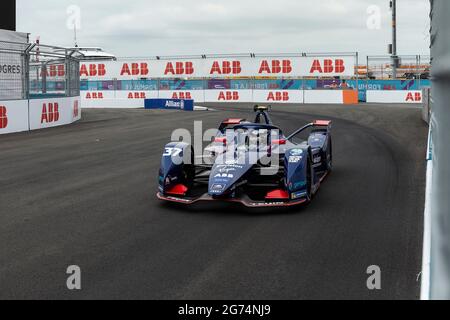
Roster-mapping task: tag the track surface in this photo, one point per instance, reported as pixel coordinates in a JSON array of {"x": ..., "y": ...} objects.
[{"x": 85, "y": 195}]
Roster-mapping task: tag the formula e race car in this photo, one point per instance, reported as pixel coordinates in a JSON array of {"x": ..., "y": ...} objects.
[{"x": 251, "y": 163}]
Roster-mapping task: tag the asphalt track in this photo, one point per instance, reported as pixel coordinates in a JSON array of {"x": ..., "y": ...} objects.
[{"x": 85, "y": 195}]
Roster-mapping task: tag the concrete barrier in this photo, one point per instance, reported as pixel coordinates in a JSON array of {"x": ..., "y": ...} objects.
[
  {"x": 53, "y": 112},
  {"x": 427, "y": 105},
  {"x": 135, "y": 99},
  {"x": 13, "y": 116},
  {"x": 25, "y": 115}
]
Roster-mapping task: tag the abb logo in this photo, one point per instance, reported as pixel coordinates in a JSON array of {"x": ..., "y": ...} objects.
[
  {"x": 3, "y": 117},
  {"x": 182, "y": 96},
  {"x": 278, "y": 96},
  {"x": 51, "y": 113},
  {"x": 226, "y": 67},
  {"x": 416, "y": 97},
  {"x": 275, "y": 66},
  {"x": 179, "y": 68},
  {"x": 136, "y": 69},
  {"x": 136, "y": 95},
  {"x": 76, "y": 109},
  {"x": 94, "y": 95},
  {"x": 54, "y": 71},
  {"x": 328, "y": 66},
  {"x": 229, "y": 96},
  {"x": 92, "y": 70}
]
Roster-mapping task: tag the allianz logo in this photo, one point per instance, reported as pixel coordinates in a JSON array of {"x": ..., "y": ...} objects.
[{"x": 175, "y": 104}]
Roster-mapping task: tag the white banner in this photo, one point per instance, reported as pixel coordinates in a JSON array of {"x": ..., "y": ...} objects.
[
  {"x": 52, "y": 112},
  {"x": 197, "y": 95},
  {"x": 278, "y": 96},
  {"x": 324, "y": 96},
  {"x": 220, "y": 68},
  {"x": 13, "y": 116},
  {"x": 228, "y": 96},
  {"x": 136, "y": 95},
  {"x": 98, "y": 95},
  {"x": 394, "y": 96}
]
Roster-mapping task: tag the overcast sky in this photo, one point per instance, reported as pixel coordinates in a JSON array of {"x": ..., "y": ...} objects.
[{"x": 177, "y": 27}]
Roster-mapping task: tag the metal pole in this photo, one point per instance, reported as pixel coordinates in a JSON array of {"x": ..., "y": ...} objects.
[
  {"x": 394, "y": 39},
  {"x": 440, "y": 122}
]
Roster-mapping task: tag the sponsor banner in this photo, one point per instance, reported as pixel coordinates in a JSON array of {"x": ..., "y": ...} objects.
[
  {"x": 219, "y": 68},
  {"x": 196, "y": 95},
  {"x": 278, "y": 96},
  {"x": 136, "y": 95},
  {"x": 228, "y": 95},
  {"x": 13, "y": 116},
  {"x": 76, "y": 108},
  {"x": 98, "y": 95},
  {"x": 47, "y": 113},
  {"x": 116, "y": 99},
  {"x": 324, "y": 96},
  {"x": 171, "y": 104},
  {"x": 394, "y": 96}
]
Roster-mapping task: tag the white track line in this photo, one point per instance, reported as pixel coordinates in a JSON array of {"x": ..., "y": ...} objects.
[{"x": 426, "y": 259}]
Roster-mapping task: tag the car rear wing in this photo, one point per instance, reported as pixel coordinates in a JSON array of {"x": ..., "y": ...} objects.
[{"x": 320, "y": 124}]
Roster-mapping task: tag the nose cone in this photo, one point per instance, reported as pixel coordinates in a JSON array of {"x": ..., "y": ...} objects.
[{"x": 224, "y": 177}]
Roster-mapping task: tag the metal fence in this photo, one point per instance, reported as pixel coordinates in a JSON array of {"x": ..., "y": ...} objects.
[
  {"x": 408, "y": 67},
  {"x": 12, "y": 70},
  {"x": 31, "y": 70}
]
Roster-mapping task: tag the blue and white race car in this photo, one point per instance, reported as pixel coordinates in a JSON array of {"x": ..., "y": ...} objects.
[{"x": 251, "y": 163}]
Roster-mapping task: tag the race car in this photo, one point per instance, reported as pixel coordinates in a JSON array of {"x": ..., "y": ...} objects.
[{"x": 252, "y": 163}]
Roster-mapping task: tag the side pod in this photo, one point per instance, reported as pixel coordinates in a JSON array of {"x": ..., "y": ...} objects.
[
  {"x": 177, "y": 168},
  {"x": 298, "y": 172}
]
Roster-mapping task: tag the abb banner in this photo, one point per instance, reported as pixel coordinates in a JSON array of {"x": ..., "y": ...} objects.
[
  {"x": 228, "y": 95},
  {"x": 88, "y": 96},
  {"x": 394, "y": 96},
  {"x": 13, "y": 116},
  {"x": 219, "y": 68},
  {"x": 46, "y": 113},
  {"x": 136, "y": 95},
  {"x": 116, "y": 99},
  {"x": 197, "y": 95},
  {"x": 278, "y": 96}
]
